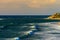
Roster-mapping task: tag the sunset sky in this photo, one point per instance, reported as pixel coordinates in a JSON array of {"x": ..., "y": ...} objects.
[{"x": 29, "y": 7}]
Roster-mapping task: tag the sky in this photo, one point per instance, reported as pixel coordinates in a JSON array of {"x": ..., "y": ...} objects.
[{"x": 29, "y": 7}]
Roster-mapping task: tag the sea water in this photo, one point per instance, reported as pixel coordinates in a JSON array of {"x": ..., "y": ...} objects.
[{"x": 31, "y": 27}]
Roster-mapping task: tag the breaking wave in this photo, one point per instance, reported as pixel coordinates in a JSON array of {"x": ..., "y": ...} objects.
[
  {"x": 44, "y": 31},
  {"x": 36, "y": 31}
]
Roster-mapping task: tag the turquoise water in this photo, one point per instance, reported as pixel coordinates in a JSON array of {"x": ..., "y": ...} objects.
[{"x": 29, "y": 28}]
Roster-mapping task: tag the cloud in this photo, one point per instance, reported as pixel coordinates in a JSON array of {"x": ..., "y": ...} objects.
[
  {"x": 9, "y": 4},
  {"x": 40, "y": 3},
  {"x": 25, "y": 6}
]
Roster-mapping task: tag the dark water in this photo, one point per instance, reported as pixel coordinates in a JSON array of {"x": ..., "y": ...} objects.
[{"x": 29, "y": 28}]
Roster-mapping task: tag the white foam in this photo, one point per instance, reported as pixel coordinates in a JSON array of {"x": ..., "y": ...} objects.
[
  {"x": 9, "y": 38},
  {"x": 27, "y": 32},
  {"x": 1, "y": 19}
]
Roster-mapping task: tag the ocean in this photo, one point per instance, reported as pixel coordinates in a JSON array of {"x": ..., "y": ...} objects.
[{"x": 29, "y": 27}]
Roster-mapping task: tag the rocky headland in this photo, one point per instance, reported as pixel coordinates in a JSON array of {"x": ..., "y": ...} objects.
[{"x": 54, "y": 16}]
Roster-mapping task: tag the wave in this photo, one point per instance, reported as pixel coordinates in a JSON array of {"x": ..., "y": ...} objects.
[
  {"x": 46, "y": 31},
  {"x": 37, "y": 31},
  {"x": 1, "y": 18}
]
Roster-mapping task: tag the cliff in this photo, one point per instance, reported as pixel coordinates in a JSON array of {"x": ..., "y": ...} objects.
[{"x": 54, "y": 16}]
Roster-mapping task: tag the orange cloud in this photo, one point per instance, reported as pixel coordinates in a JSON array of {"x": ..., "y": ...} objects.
[
  {"x": 52, "y": 1},
  {"x": 16, "y": 4},
  {"x": 39, "y": 3}
]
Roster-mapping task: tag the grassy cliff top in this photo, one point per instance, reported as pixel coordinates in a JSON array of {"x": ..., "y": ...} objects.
[{"x": 56, "y": 15}]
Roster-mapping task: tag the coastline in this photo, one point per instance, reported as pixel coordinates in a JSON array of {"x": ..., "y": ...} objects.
[{"x": 53, "y": 18}]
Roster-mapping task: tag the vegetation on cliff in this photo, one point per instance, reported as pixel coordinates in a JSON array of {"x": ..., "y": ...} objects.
[{"x": 55, "y": 16}]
